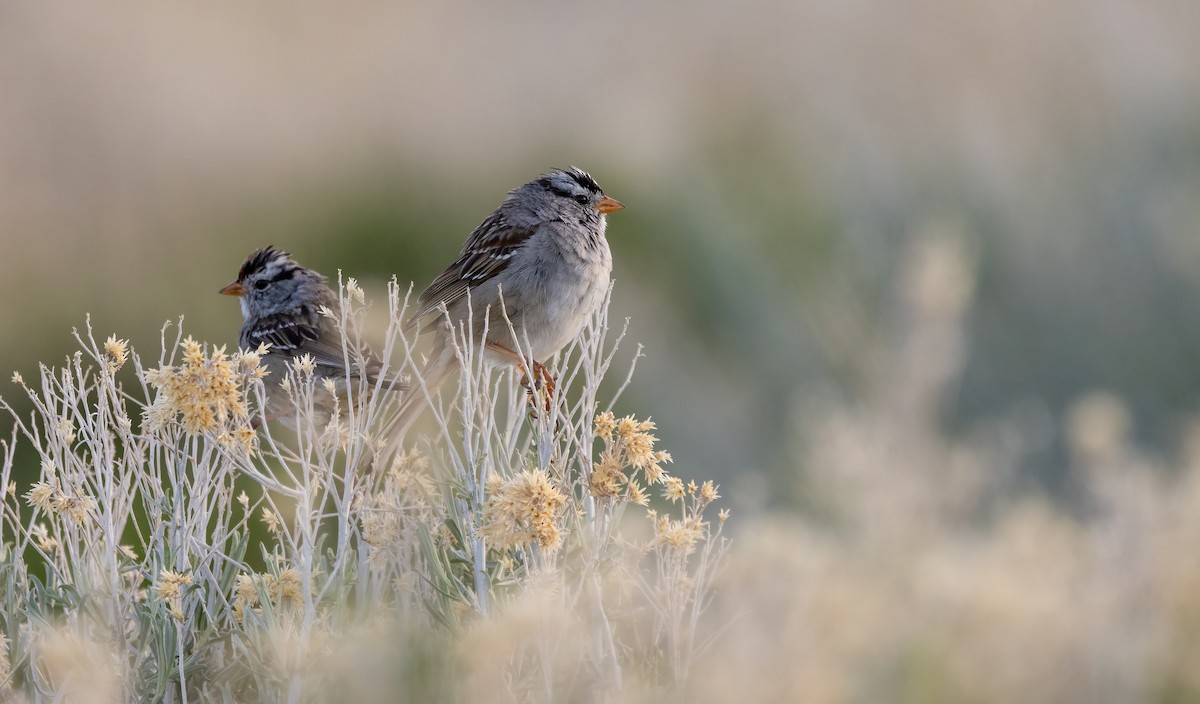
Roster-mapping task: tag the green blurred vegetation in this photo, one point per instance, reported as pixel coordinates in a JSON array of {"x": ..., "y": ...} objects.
[
  {"x": 778, "y": 166},
  {"x": 922, "y": 275}
]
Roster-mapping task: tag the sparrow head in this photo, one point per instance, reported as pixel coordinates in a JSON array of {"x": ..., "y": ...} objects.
[
  {"x": 271, "y": 282},
  {"x": 571, "y": 190}
]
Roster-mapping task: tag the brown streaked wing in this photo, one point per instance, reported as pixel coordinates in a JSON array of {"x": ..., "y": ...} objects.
[
  {"x": 284, "y": 332},
  {"x": 487, "y": 252}
]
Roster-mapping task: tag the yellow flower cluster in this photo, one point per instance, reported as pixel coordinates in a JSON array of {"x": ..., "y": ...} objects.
[
  {"x": 628, "y": 443},
  {"x": 381, "y": 529},
  {"x": 271, "y": 520},
  {"x": 49, "y": 496},
  {"x": 354, "y": 291},
  {"x": 680, "y": 536},
  {"x": 702, "y": 495},
  {"x": 408, "y": 492},
  {"x": 523, "y": 509},
  {"x": 282, "y": 590},
  {"x": 116, "y": 352},
  {"x": 169, "y": 588},
  {"x": 41, "y": 535},
  {"x": 206, "y": 394}
]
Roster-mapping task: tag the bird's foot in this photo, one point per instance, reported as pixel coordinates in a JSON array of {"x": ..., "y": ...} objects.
[{"x": 543, "y": 384}]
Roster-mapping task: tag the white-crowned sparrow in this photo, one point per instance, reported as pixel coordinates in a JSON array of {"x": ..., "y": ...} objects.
[
  {"x": 281, "y": 305},
  {"x": 543, "y": 251}
]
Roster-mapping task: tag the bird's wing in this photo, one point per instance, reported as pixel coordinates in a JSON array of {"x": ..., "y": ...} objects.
[
  {"x": 487, "y": 252},
  {"x": 294, "y": 335},
  {"x": 284, "y": 332}
]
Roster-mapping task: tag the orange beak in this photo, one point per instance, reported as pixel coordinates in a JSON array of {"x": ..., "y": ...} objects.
[
  {"x": 234, "y": 289},
  {"x": 609, "y": 205}
]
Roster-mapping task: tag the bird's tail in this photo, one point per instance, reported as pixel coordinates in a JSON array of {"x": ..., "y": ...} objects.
[{"x": 441, "y": 362}]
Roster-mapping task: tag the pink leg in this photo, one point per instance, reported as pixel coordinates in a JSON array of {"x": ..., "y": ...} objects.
[{"x": 541, "y": 375}]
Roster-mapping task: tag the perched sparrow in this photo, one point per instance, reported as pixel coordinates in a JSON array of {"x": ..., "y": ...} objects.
[
  {"x": 281, "y": 305},
  {"x": 543, "y": 251}
]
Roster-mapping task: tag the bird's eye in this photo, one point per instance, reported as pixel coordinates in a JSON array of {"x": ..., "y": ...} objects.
[
  {"x": 261, "y": 284},
  {"x": 581, "y": 199}
]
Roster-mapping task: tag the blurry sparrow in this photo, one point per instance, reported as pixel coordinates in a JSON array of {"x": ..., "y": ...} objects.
[
  {"x": 544, "y": 253},
  {"x": 281, "y": 305}
]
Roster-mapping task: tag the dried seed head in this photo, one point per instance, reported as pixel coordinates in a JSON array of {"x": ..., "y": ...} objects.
[
  {"x": 116, "y": 352},
  {"x": 525, "y": 509}
]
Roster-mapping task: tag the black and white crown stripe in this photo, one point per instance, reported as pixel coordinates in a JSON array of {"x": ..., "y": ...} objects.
[{"x": 587, "y": 186}]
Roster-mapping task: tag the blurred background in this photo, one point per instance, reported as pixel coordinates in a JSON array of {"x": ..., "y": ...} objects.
[
  {"x": 918, "y": 283},
  {"x": 830, "y": 204}
]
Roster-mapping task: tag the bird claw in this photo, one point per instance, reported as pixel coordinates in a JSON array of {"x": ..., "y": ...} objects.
[{"x": 543, "y": 384}]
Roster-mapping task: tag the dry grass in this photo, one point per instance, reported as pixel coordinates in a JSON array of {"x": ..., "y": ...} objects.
[
  {"x": 508, "y": 555},
  {"x": 496, "y": 559},
  {"x": 132, "y": 555},
  {"x": 932, "y": 577}
]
